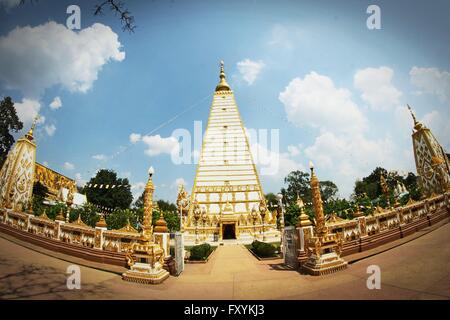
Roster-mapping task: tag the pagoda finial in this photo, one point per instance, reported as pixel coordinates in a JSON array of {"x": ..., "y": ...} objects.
[
  {"x": 223, "y": 85},
  {"x": 29, "y": 134},
  {"x": 417, "y": 124}
]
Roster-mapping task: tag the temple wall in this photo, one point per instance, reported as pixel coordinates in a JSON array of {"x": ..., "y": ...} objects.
[
  {"x": 109, "y": 246},
  {"x": 365, "y": 233}
]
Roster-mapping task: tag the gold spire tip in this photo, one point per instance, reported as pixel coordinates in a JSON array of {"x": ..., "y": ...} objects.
[{"x": 223, "y": 85}]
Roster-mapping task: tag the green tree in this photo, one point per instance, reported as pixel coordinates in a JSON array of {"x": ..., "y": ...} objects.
[
  {"x": 166, "y": 206},
  {"x": 118, "y": 197},
  {"x": 370, "y": 185},
  {"x": 298, "y": 182},
  {"x": 271, "y": 199},
  {"x": 139, "y": 203},
  {"x": 39, "y": 193},
  {"x": 171, "y": 217},
  {"x": 9, "y": 122},
  {"x": 88, "y": 214},
  {"x": 120, "y": 217}
]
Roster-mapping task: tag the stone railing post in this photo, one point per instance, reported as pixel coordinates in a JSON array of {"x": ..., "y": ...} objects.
[
  {"x": 426, "y": 205},
  {"x": 98, "y": 237},
  {"x": 446, "y": 200},
  {"x": 362, "y": 226},
  {"x": 304, "y": 233},
  {"x": 27, "y": 222},
  {"x": 59, "y": 221},
  {"x": 163, "y": 239},
  {"x": 400, "y": 215}
]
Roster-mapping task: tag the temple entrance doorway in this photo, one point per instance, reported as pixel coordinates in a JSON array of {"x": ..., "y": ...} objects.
[{"x": 229, "y": 231}]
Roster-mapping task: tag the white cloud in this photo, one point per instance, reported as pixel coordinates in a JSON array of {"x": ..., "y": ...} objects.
[
  {"x": 79, "y": 179},
  {"x": 250, "y": 70},
  {"x": 439, "y": 124},
  {"x": 139, "y": 186},
  {"x": 180, "y": 181},
  {"x": 50, "y": 129},
  {"x": 137, "y": 189},
  {"x": 342, "y": 149},
  {"x": 315, "y": 101},
  {"x": 158, "y": 145},
  {"x": 56, "y": 103},
  {"x": 376, "y": 87},
  {"x": 293, "y": 150},
  {"x": 351, "y": 157},
  {"x": 177, "y": 182},
  {"x": 68, "y": 166},
  {"x": 126, "y": 174},
  {"x": 45, "y": 163},
  {"x": 272, "y": 164},
  {"x": 27, "y": 110},
  {"x": 135, "y": 137},
  {"x": 282, "y": 36},
  {"x": 37, "y": 58},
  {"x": 431, "y": 81},
  {"x": 100, "y": 157}
]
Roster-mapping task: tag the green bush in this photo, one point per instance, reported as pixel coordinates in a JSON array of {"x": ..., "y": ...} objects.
[
  {"x": 200, "y": 252},
  {"x": 263, "y": 250}
]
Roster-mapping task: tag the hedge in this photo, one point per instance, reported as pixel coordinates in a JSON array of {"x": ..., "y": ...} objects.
[
  {"x": 200, "y": 252},
  {"x": 263, "y": 250}
]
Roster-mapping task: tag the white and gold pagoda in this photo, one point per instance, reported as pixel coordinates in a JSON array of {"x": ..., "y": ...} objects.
[
  {"x": 432, "y": 163},
  {"x": 17, "y": 173},
  {"x": 227, "y": 201}
]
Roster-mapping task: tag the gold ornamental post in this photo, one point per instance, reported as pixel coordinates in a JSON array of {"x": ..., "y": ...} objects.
[
  {"x": 145, "y": 257},
  {"x": 147, "y": 226},
  {"x": 323, "y": 248}
]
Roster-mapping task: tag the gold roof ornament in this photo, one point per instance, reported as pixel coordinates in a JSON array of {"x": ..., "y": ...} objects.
[
  {"x": 223, "y": 85},
  {"x": 44, "y": 215},
  {"x": 128, "y": 228},
  {"x": 333, "y": 218},
  {"x": 161, "y": 224},
  {"x": 101, "y": 223},
  {"x": 79, "y": 222},
  {"x": 303, "y": 220},
  {"x": 60, "y": 216}
]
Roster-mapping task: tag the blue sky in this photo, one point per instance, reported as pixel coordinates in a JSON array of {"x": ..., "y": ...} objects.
[{"x": 334, "y": 89}]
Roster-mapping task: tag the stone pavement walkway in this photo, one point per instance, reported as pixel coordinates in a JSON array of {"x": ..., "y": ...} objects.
[{"x": 419, "y": 269}]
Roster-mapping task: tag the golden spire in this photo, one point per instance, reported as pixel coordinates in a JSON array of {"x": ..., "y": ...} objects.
[
  {"x": 417, "y": 124},
  {"x": 147, "y": 226},
  {"x": 303, "y": 220},
  {"x": 317, "y": 202},
  {"x": 29, "y": 134},
  {"x": 223, "y": 85}
]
